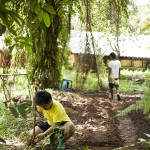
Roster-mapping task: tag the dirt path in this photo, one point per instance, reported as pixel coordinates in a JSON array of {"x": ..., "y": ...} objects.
[
  {"x": 127, "y": 130},
  {"x": 92, "y": 114}
]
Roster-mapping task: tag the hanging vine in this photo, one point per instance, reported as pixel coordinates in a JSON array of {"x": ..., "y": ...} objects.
[
  {"x": 84, "y": 66},
  {"x": 86, "y": 61}
]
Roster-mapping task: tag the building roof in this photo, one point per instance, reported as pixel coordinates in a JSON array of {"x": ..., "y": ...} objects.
[{"x": 129, "y": 46}]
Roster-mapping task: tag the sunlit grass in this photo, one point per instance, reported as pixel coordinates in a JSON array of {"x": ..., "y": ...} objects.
[
  {"x": 126, "y": 83},
  {"x": 126, "y": 86},
  {"x": 90, "y": 84},
  {"x": 128, "y": 74}
]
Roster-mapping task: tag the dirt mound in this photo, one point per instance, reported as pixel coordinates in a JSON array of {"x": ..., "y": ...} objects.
[{"x": 92, "y": 114}]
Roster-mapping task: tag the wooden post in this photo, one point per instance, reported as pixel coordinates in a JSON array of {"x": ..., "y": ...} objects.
[{"x": 34, "y": 106}]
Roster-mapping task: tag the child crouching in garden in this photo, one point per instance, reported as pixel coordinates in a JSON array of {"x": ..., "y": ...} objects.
[{"x": 56, "y": 117}]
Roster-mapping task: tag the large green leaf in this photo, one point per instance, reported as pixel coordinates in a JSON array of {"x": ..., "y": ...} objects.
[
  {"x": 49, "y": 8},
  {"x": 40, "y": 14},
  {"x": 37, "y": 8},
  {"x": 28, "y": 48},
  {"x": 21, "y": 38},
  {"x": 14, "y": 112},
  {"x": 2, "y": 140},
  {"x": 25, "y": 43},
  {"x": 12, "y": 47},
  {"x": 22, "y": 111},
  {"x": 46, "y": 19},
  {"x": 32, "y": 109}
]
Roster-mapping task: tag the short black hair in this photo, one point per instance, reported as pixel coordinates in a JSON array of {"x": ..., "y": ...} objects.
[
  {"x": 113, "y": 55},
  {"x": 42, "y": 97}
]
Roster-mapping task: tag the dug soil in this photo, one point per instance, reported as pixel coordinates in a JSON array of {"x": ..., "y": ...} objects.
[{"x": 96, "y": 129}]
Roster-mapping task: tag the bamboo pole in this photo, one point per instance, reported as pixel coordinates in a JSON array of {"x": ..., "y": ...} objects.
[{"x": 34, "y": 106}]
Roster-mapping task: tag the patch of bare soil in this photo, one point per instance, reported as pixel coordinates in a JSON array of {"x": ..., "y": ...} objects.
[{"x": 92, "y": 114}]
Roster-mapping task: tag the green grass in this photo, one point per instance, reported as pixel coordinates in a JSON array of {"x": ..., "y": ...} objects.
[
  {"x": 128, "y": 74},
  {"x": 91, "y": 84},
  {"x": 126, "y": 84}
]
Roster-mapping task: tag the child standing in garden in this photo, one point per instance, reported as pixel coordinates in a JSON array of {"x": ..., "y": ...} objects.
[
  {"x": 114, "y": 74},
  {"x": 56, "y": 118}
]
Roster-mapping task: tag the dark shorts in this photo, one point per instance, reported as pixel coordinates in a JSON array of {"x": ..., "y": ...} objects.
[
  {"x": 113, "y": 82},
  {"x": 112, "y": 85},
  {"x": 44, "y": 126}
]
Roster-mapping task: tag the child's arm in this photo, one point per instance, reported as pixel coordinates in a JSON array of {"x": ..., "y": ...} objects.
[
  {"x": 40, "y": 136},
  {"x": 51, "y": 129}
]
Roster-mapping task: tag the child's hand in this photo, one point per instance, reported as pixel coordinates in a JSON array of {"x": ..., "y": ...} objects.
[
  {"x": 39, "y": 137},
  {"x": 29, "y": 141}
]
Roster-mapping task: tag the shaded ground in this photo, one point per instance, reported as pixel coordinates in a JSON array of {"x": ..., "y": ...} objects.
[{"x": 92, "y": 115}]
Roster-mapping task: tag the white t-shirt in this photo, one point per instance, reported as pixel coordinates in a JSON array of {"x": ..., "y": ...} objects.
[{"x": 114, "y": 65}]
